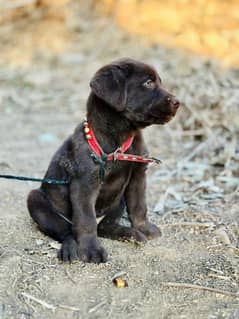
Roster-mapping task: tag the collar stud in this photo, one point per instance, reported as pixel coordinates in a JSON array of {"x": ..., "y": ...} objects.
[{"x": 88, "y": 136}]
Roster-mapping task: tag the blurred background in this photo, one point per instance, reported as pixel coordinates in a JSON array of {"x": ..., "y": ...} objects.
[
  {"x": 49, "y": 50},
  {"x": 32, "y": 27}
]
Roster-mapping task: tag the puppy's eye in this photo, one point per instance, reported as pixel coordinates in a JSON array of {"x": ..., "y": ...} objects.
[{"x": 149, "y": 84}]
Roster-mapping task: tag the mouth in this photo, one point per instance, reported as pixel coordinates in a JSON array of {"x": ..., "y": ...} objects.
[
  {"x": 143, "y": 120},
  {"x": 162, "y": 118}
]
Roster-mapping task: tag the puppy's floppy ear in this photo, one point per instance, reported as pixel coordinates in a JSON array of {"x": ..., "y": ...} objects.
[{"x": 109, "y": 84}]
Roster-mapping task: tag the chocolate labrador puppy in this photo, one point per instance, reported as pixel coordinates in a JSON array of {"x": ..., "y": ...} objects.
[{"x": 126, "y": 96}]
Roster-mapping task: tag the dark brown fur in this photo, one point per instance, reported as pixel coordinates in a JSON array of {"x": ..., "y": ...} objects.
[{"x": 122, "y": 102}]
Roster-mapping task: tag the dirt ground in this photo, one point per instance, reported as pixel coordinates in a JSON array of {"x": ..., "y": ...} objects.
[{"x": 193, "y": 195}]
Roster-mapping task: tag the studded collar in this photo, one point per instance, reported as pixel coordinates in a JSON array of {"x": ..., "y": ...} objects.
[{"x": 119, "y": 154}]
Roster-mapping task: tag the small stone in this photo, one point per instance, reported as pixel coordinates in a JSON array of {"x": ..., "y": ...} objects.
[{"x": 39, "y": 242}]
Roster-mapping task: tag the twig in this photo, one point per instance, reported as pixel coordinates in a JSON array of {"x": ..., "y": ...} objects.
[
  {"x": 68, "y": 307},
  {"x": 189, "y": 224},
  {"x": 97, "y": 307},
  {"x": 70, "y": 277},
  {"x": 216, "y": 270},
  {"x": 110, "y": 313},
  {"x": 47, "y": 305},
  {"x": 217, "y": 291},
  {"x": 220, "y": 277},
  {"x": 41, "y": 302}
]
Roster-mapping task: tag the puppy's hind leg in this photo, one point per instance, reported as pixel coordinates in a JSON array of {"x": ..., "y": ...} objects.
[
  {"x": 52, "y": 225},
  {"x": 109, "y": 227},
  {"x": 48, "y": 221}
]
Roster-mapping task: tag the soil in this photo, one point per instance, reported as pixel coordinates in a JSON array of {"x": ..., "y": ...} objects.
[{"x": 193, "y": 195}]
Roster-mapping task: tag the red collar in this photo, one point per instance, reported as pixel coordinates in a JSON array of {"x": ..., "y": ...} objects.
[{"x": 119, "y": 153}]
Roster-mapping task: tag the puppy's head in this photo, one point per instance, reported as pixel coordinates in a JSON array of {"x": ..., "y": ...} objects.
[{"x": 134, "y": 89}]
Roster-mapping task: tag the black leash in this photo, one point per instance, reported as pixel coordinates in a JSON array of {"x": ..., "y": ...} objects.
[
  {"x": 32, "y": 179},
  {"x": 102, "y": 161},
  {"x": 43, "y": 180},
  {"x": 58, "y": 213}
]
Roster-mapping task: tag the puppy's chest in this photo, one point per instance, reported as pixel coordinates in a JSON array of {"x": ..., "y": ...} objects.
[
  {"x": 116, "y": 175},
  {"x": 116, "y": 167}
]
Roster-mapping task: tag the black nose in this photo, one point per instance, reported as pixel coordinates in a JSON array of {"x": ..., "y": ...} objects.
[{"x": 175, "y": 104}]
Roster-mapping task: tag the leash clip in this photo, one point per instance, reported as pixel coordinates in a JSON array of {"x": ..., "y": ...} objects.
[
  {"x": 95, "y": 158},
  {"x": 156, "y": 160},
  {"x": 115, "y": 153}
]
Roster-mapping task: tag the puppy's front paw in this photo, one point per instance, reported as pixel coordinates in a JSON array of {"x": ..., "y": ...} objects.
[
  {"x": 149, "y": 230},
  {"x": 69, "y": 250},
  {"x": 138, "y": 236},
  {"x": 92, "y": 254},
  {"x": 90, "y": 251}
]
